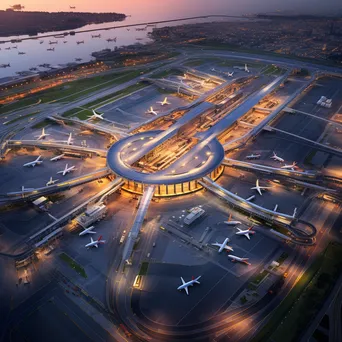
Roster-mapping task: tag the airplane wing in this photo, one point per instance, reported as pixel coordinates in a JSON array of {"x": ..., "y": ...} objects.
[
  {"x": 216, "y": 244},
  {"x": 182, "y": 280},
  {"x": 247, "y": 236},
  {"x": 259, "y": 191},
  {"x": 96, "y": 245},
  {"x": 186, "y": 290}
]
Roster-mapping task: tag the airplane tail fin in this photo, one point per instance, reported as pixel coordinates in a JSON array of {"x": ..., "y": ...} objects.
[
  {"x": 196, "y": 280},
  {"x": 99, "y": 238},
  {"x": 230, "y": 217},
  {"x": 250, "y": 228}
]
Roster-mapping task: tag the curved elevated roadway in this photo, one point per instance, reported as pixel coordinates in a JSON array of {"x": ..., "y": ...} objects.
[
  {"x": 268, "y": 215},
  {"x": 112, "y": 131},
  {"x": 57, "y": 145},
  {"x": 35, "y": 193}
]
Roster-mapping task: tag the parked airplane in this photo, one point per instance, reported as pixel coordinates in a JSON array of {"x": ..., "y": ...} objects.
[
  {"x": 96, "y": 35},
  {"x": 230, "y": 74},
  {"x": 164, "y": 102},
  {"x": 253, "y": 156},
  {"x": 34, "y": 163},
  {"x": 258, "y": 188},
  {"x": 78, "y": 59},
  {"x": 51, "y": 181},
  {"x": 15, "y": 47},
  {"x": 70, "y": 139},
  {"x": 41, "y": 42},
  {"x": 151, "y": 111},
  {"x": 80, "y": 42},
  {"x": 53, "y": 42},
  {"x": 275, "y": 157},
  {"x": 185, "y": 285},
  {"x": 291, "y": 166},
  {"x": 230, "y": 222},
  {"x": 58, "y": 157},
  {"x": 21, "y": 53},
  {"x": 5, "y": 65},
  {"x": 96, "y": 116},
  {"x": 223, "y": 245},
  {"x": 245, "y": 232},
  {"x": 95, "y": 243},
  {"x": 111, "y": 40},
  {"x": 87, "y": 231},
  {"x": 67, "y": 170},
  {"x": 72, "y": 7},
  {"x": 42, "y": 136},
  {"x": 51, "y": 49},
  {"x": 246, "y": 68},
  {"x": 242, "y": 260}
]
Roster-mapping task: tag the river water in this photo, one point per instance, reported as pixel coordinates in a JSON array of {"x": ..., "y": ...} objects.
[{"x": 139, "y": 11}]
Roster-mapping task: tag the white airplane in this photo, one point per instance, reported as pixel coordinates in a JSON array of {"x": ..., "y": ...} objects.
[
  {"x": 223, "y": 245},
  {"x": 34, "y": 163},
  {"x": 253, "y": 156},
  {"x": 246, "y": 68},
  {"x": 42, "y": 136},
  {"x": 151, "y": 111},
  {"x": 67, "y": 170},
  {"x": 245, "y": 232},
  {"x": 230, "y": 222},
  {"x": 95, "y": 243},
  {"x": 51, "y": 181},
  {"x": 259, "y": 188},
  {"x": 275, "y": 157},
  {"x": 236, "y": 258},
  {"x": 230, "y": 74},
  {"x": 185, "y": 285},
  {"x": 165, "y": 102},
  {"x": 58, "y": 157},
  {"x": 213, "y": 69},
  {"x": 70, "y": 139},
  {"x": 96, "y": 116},
  {"x": 291, "y": 166},
  {"x": 87, "y": 231}
]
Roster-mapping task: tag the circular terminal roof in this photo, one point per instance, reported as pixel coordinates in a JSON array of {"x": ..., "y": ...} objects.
[{"x": 196, "y": 163}]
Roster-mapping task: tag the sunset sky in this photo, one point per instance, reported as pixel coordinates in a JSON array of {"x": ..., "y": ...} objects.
[{"x": 180, "y": 7}]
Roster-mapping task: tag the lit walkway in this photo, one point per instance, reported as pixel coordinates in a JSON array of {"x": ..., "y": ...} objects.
[{"x": 138, "y": 222}]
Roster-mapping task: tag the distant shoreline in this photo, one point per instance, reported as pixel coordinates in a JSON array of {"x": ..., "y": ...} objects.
[{"x": 15, "y": 23}]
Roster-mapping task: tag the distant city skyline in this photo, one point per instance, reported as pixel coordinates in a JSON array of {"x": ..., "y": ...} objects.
[{"x": 169, "y": 8}]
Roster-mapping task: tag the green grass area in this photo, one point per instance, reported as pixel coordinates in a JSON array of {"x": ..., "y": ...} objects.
[
  {"x": 243, "y": 300},
  {"x": 305, "y": 299},
  {"x": 259, "y": 277},
  {"x": 18, "y": 104},
  {"x": 40, "y": 124},
  {"x": 71, "y": 91},
  {"x": 143, "y": 268},
  {"x": 82, "y": 114},
  {"x": 21, "y": 118},
  {"x": 73, "y": 264},
  {"x": 273, "y": 70},
  {"x": 166, "y": 73}
]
